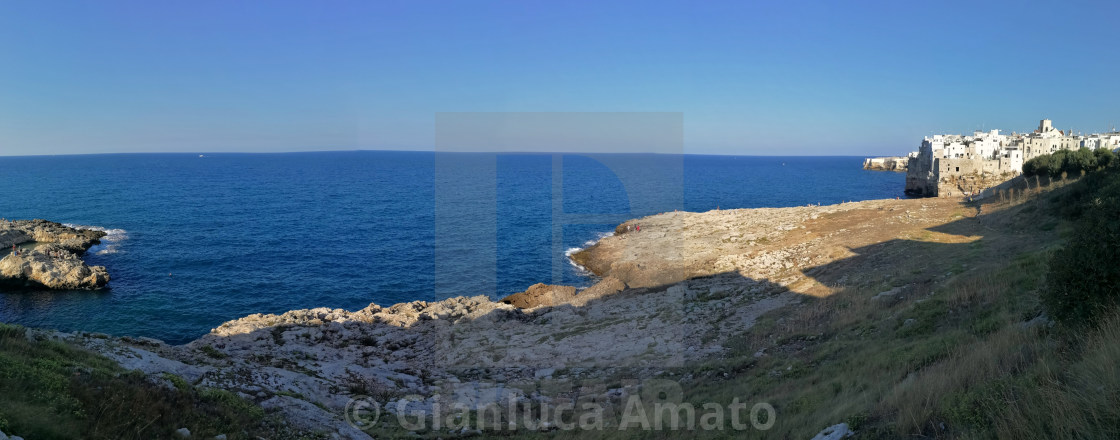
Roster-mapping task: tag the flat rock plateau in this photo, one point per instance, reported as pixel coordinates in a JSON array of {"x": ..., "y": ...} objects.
[{"x": 676, "y": 294}]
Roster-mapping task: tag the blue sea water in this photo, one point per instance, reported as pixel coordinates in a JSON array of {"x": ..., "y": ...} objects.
[{"x": 196, "y": 241}]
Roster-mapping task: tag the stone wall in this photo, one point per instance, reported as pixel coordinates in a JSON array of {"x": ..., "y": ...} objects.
[{"x": 959, "y": 167}]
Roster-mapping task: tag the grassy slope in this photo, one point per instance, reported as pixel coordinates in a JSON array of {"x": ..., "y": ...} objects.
[
  {"x": 51, "y": 390},
  {"x": 966, "y": 366}
]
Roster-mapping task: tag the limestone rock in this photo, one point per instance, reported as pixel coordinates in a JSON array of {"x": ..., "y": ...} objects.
[
  {"x": 606, "y": 286},
  {"x": 893, "y": 163},
  {"x": 51, "y": 266},
  {"x": 675, "y": 246},
  {"x": 10, "y": 236},
  {"x": 541, "y": 294},
  {"x": 889, "y": 295},
  {"x": 834, "y": 432},
  {"x": 55, "y": 263},
  {"x": 43, "y": 231}
]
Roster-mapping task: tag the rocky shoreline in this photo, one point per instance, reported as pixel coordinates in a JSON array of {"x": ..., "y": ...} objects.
[
  {"x": 674, "y": 295},
  {"x": 47, "y": 255}
]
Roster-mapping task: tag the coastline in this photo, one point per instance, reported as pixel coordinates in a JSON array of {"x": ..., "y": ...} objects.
[
  {"x": 575, "y": 250},
  {"x": 669, "y": 296},
  {"x": 375, "y": 252}
]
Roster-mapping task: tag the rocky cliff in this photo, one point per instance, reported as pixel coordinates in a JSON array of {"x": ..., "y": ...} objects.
[
  {"x": 922, "y": 175},
  {"x": 893, "y": 163},
  {"x": 48, "y": 256},
  {"x": 925, "y": 178}
]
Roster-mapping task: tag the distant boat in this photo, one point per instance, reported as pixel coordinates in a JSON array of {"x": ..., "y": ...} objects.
[{"x": 201, "y": 155}]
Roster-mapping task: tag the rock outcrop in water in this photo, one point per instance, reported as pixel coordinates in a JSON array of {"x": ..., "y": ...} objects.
[
  {"x": 55, "y": 263},
  {"x": 893, "y": 163}
]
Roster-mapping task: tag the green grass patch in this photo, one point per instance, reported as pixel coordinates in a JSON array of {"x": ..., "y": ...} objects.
[
  {"x": 212, "y": 352},
  {"x": 51, "y": 390}
]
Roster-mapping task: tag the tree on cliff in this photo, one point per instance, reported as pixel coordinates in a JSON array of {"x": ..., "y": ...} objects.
[{"x": 1071, "y": 162}]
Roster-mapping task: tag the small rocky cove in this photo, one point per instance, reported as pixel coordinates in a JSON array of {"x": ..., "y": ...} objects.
[{"x": 40, "y": 254}]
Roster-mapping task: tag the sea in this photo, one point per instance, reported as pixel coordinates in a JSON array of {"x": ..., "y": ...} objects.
[{"x": 196, "y": 240}]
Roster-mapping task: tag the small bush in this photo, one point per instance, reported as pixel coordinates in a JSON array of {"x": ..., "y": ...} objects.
[
  {"x": 177, "y": 381},
  {"x": 212, "y": 352},
  {"x": 1084, "y": 278}
]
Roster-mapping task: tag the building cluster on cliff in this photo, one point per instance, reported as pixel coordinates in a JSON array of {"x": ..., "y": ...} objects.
[{"x": 989, "y": 156}]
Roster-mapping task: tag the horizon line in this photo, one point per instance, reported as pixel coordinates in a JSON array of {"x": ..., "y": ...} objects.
[{"x": 203, "y": 153}]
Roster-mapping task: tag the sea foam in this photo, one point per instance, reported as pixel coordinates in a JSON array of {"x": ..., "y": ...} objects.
[
  {"x": 571, "y": 251},
  {"x": 110, "y": 243}
]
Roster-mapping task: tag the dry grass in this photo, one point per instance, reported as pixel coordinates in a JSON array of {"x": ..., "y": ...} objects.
[
  {"x": 1073, "y": 396},
  {"x": 918, "y": 402}
]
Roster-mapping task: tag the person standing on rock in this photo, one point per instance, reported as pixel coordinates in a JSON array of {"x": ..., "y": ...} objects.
[{"x": 638, "y": 228}]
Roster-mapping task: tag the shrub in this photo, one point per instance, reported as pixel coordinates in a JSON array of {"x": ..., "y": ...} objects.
[
  {"x": 212, "y": 352},
  {"x": 1104, "y": 156},
  {"x": 1084, "y": 278}
]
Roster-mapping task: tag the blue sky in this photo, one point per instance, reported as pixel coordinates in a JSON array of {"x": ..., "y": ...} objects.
[{"x": 749, "y": 77}]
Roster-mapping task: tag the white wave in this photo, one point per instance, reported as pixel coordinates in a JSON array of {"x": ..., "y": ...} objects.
[
  {"x": 571, "y": 251},
  {"x": 601, "y": 236},
  {"x": 582, "y": 270},
  {"x": 110, "y": 243}
]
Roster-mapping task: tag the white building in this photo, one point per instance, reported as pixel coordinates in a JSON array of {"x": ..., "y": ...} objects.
[
  {"x": 1046, "y": 140},
  {"x": 947, "y": 156},
  {"x": 1103, "y": 140},
  {"x": 986, "y": 145}
]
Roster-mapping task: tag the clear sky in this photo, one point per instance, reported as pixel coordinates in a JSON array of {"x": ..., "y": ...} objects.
[{"x": 749, "y": 77}]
